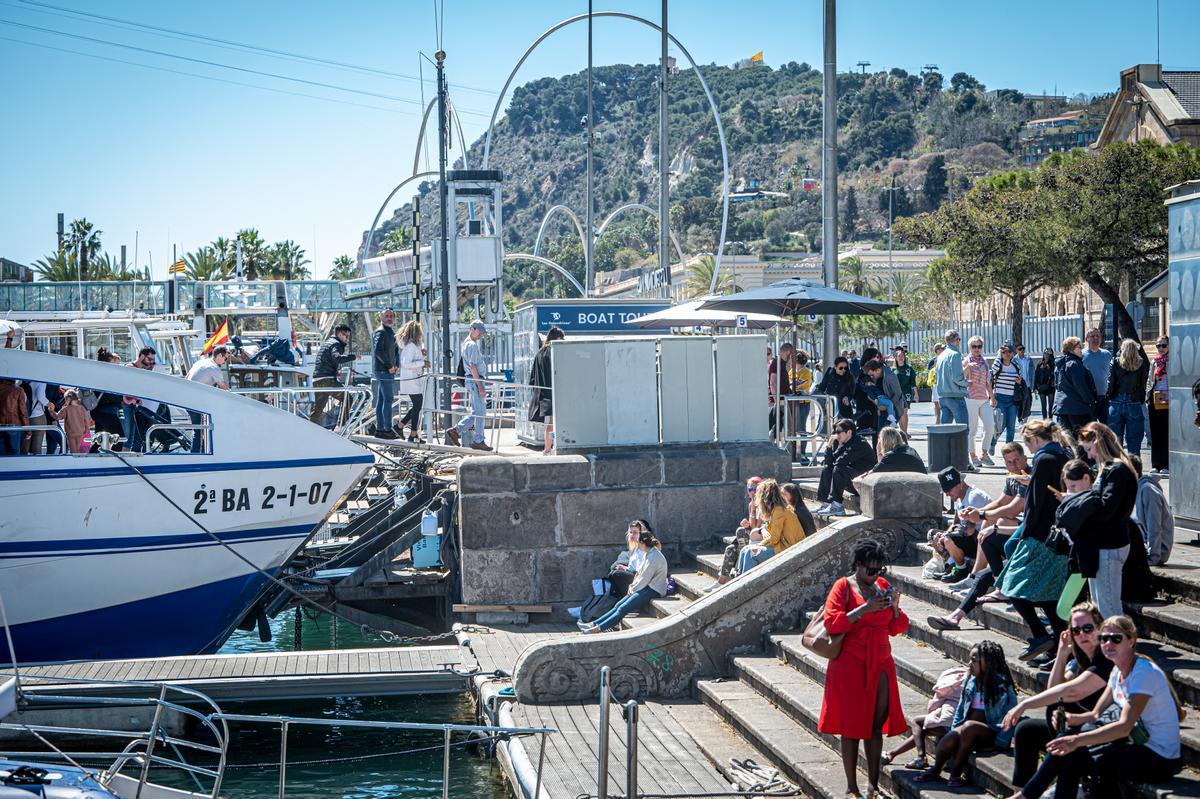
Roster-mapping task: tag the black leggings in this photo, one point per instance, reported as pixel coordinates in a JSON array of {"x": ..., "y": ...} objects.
[
  {"x": 1029, "y": 743},
  {"x": 1117, "y": 762},
  {"x": 1028, "y": 612},
  {"x": 835, "y": 482},
  {"x": 1047, "y": 404},
  {"x": 993, "y": 550},
  {"x": 413, "y": 416}
]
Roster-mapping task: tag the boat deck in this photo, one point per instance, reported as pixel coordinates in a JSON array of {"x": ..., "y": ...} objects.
[{"x": 269, "y": 675}]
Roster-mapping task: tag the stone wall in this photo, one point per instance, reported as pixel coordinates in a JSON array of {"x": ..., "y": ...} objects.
[
  {"x": 662, "y": 659},
  {"x": 538, "y": 530}
]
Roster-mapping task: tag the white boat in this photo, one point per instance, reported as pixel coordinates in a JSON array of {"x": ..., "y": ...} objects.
[{"x": 95, "y": 563}]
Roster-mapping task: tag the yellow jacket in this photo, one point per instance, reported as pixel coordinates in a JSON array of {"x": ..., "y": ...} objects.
[
  {"x": 783, "y": 529},
  {"x": 802, "y": 380}
]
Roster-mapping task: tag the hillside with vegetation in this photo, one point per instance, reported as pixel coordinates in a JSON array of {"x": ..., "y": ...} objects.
[{"x": 934, "y": 135}]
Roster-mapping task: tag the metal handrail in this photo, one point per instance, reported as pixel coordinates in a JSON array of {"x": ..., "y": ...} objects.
[
  {"x": 828, "y": 406},
  {"x": 352, "y": 420},
  {"x": 12, "y": 428}
]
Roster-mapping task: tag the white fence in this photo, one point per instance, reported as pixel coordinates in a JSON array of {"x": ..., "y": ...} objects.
[{"x": 1039, "y": 333}]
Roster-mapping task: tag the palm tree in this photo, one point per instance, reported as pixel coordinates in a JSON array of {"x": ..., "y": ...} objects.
[
  {"x": 397, "y": 239},
  {"x": 105, "y": 267},
  {"x": 57, "y": 267},
  {"x": 344, "y": 268},
  {"x": 225, "y": 251},
  {"x": 206, "y": 264},
  {"x": 700, "y": 278},
  {"x": 904, "y": 286},
  {"x": 856, "y": 277},
  {"x": 254, "y": 252},
  {"x": 84, "y": 241},
  {"x": 286, "y": 261}
]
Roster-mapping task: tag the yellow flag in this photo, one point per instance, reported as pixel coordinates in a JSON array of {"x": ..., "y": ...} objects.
[{"x": 756, "y": 58}]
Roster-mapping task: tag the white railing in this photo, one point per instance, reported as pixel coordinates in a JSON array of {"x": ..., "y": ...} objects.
[{"x": 355, "y": 402}]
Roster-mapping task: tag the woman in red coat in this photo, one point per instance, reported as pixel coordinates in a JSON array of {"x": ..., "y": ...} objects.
[{"x": 862, "y": 697}]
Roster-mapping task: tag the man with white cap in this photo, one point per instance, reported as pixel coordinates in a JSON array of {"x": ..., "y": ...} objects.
[{"x": 469, "y": 432}]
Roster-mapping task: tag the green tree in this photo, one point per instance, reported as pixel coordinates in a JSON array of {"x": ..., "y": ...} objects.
[
  {"x": 57, "y": 267},
  {"x": 344, "y": 268},
  {"x": 254, "y": 252},
  {"x": 398, "y": 239},
  {"x": 700, "y": 278},
  {"x": 998, "y": 240},
  {"x": 1110, "y": 223},
  {"x": 934, "y": 186},
  {"x": 205, "y": 264},
  {"x": 850, "y": 214},
  {"x": 961, "y": 82},
  {"x": 83, "y": 241},
  {"x": 285, "y": 261},
  {"x": 855, "y": 277}
]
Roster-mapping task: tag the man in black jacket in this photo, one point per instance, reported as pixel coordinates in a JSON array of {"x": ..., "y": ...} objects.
[
  {"x": 385, "y": 355},
  {"x": 847, "y": 456},
  {"x": 330, "y": 359}
]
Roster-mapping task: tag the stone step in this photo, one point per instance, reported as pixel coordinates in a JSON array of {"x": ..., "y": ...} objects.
[
  {"x": 716, "y": 740},
  {"x": 796, "y": 704},
  {"x": 801, "y": 758},
  {"x": 808, "y": 489},
  {"x": 692, "y": 584},
  {"x": 708, "y": 563}
]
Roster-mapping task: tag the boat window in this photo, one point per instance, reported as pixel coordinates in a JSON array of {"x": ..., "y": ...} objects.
[
  {"x": 54, "y": 343},
  {"x": 114, "y": 340},
  {"x": 66, "y": 420}
]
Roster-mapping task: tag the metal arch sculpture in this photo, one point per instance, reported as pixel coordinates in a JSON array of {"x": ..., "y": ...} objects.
[
  {"x": 637, "y": 206},
  {"x": 487, "y": 147},
  {"x": 537, "y": 243},
  {"x": 520, "y": 256},
  {"x": 375, "y": 223},
  {"x": 462, "y": 141}
]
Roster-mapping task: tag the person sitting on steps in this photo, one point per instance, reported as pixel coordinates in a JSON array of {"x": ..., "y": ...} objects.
[
  {"x": 847, "y": 456},
  {"x": 649, "y": 583},
  {"x": 987, "y": 696},
  {"x": 936, "y": 721}
]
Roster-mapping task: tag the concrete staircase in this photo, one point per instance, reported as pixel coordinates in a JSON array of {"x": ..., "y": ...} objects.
[{"x": 772, "y": 698}]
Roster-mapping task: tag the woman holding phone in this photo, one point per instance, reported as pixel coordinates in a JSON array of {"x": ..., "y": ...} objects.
[{"x": 862, "y": 696}]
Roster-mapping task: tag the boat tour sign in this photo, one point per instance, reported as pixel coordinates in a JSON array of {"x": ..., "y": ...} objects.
[{"x": 595, "y": 317}]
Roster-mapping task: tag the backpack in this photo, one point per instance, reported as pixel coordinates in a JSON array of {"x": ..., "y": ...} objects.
[
  {"x": 90, "y": 399},
  {"x": 460, "y": 373},
  {"x": 598, "y": 605}
]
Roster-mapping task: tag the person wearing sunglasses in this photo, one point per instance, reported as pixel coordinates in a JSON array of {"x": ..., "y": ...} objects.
[
  {"x": 862, "y": 696},
  {"x": 1160, "y": 433},
  {"x": 838, "y": 382},
  {"x": 979, "y": 402},
  {"x": 1074, "y": 388},
  {"x": 847, "y": 456},
  {"x": 1142, "y": 745},
  {"x": 1077, "y": 680},
  {"x": 748, "y": 530}
]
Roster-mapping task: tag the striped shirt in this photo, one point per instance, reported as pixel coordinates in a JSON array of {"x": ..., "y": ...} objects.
[{"x": 1005, "y": 381}]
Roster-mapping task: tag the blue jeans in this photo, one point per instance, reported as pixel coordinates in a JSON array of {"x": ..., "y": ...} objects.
[
  {"x": 385, "y": 394},
  {"x": 1127, "y": 420},
  {"x": 131, "y": 429},
  {"x": 1008, "y": 409},
  {"x": 954, "y": 410},
  {"x": 474, "y": 423},
  {"x": 747, "y": 559},
  {"x": 1106, "y": 585},
  {"x": 630, "y": 604},
  {"x": 198, "y": 436},
  {"x": 10, "y": 443}
]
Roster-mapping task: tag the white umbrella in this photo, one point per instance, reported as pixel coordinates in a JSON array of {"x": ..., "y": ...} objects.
[{"x": 689, "y": 314}]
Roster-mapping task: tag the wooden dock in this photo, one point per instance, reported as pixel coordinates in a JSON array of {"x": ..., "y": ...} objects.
[
  {"x": 269, "y": 675},
  {"x": 670, "y": 758}
]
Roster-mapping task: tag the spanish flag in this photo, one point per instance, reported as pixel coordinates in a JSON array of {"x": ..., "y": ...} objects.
[
  {"x": 217, "y": 339},
  {"x": 756, "y": 58}
]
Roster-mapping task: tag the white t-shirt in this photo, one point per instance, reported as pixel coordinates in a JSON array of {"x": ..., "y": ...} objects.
[
  {"x": 974, "y": 498},
  {"x": 207, "y": 372},
  {"x": 1160, "y": 717}
]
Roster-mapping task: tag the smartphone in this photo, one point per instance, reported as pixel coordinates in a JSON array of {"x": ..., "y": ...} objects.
[{"x": 1055, "y": 491}]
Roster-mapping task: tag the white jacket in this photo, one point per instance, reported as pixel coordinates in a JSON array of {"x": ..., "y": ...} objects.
[{"x": 412, "y": 364}]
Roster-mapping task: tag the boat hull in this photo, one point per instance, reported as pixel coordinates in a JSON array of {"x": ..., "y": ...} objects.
[{"x": 95, "y": 563}]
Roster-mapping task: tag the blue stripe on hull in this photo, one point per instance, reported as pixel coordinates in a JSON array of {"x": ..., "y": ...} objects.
[
  {"x": 144, "y": 543},
  {"x": 194, "y": 621},
  {"x": 168, "y": 468}
]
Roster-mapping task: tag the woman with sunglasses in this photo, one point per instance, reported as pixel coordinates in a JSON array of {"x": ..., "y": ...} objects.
[
  {"x": 862, "y": 697},
  {"x": 838, "y": 382},
  {"x": 649, "y": 583},
  {"x": 979, "y": 402},
  {"x": 1141, "y": 746},
  {"x": 1077, "y": 680},
  {"x": 1160, "y": 435},
  {"x": 781, "y": 528},
  {"x": 746, "y": 532}
]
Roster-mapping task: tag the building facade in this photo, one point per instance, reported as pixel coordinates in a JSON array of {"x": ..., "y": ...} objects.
[{"x": 1153, "y": 103}]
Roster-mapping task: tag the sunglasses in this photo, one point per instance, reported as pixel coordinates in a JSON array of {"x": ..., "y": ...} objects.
[
  {"x": 976, "y": 346},
  {"x": 876, "y": 571},
  {"x": 1086, "y": 629},
  {"x": 839, "y": 369},
  {"x": 1161, "y": 346},
  {"x": 1111, "y": 638}
]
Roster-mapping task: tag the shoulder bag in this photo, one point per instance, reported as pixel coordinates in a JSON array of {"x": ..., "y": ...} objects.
[{"x": 818, "y": 640}]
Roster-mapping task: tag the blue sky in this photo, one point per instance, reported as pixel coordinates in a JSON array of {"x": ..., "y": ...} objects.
[{"x": 180, "y": 159}]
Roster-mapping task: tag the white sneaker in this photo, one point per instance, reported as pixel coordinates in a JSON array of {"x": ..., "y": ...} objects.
[
  {"x": 836, "y": 509},
  {"x": 712, "y": 588},
  {"x": 964, "y": 584}
]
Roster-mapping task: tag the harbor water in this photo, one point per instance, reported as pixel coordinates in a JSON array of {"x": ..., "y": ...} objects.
[{"x": 357, "y": 764}]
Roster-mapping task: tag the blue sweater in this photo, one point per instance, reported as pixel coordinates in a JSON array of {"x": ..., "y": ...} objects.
[
  {"x": 951, "y": 382},
  {"x": 1074, "y": 389}
]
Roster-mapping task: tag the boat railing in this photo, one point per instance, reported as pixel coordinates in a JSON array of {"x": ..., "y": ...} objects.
[
  {"x": 141, "y": 749},
  {"x": 29, "y": 428},
  {"x": 355, "y": 402},
  {"x": 177, "y": 427},
  {"x": 466, "y": 732},
  {"x": 506, "y": 400}
]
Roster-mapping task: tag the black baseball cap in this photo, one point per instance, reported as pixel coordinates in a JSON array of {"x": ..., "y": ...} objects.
[{"x": 949, "y": 479}]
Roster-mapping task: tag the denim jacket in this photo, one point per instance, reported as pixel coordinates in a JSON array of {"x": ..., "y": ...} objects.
[{"x": 993, "y": 713}]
